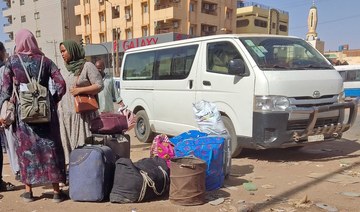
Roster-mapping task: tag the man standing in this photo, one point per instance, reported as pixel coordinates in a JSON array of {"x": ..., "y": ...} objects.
[
  {"x": 109, "y": 94},
  {"x": 5, "y": 186}
]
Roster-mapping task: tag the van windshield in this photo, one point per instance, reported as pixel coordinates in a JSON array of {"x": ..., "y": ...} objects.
[{"x": 280, "y": 53}]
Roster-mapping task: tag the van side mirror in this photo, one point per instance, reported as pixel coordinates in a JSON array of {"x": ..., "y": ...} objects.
[{"x": 236, "y": 67}]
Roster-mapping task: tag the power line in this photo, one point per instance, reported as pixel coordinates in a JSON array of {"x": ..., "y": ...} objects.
[{"x": 330, "y": 21}]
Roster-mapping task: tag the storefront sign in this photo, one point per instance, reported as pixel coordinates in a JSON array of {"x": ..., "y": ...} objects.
[{"x": 132, "y": 43}]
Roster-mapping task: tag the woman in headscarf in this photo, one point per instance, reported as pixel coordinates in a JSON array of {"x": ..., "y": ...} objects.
[
  {"x": 82, "y": 78},
  {"x": 39, "y": 149}
]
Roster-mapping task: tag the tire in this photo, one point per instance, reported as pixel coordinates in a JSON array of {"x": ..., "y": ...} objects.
[
  {"x": 235, "y": 147},
  {"x": 142, "y": 127}
]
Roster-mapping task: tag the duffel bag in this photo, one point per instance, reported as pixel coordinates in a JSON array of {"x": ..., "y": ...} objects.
[
  {"x": 109, "y": 123},
  {"x": 155, "y": 173},
  {"x": 140, "y": 181}
]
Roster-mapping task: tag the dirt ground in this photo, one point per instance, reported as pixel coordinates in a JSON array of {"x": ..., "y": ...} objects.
[{"x": 320, "y": 177}]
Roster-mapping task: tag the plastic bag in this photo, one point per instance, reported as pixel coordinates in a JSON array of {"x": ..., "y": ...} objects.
[{"x": 208, "y": 118}]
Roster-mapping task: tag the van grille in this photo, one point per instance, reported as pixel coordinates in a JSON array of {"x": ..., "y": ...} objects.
[
  {"x": 311, "y": 102},
  {"x": 302, "y": 124}
]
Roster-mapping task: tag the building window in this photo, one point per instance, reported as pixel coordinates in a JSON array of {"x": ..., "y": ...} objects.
[
  {"x": 87, "y": 20},
  {"x": 228, "y": 13},
  {"x": 192, "y": 30},
  {"x": 22, "y": 2},
  {"x": 192, "y": 7},
  {"x": 260, "y": 23},
  {"x": 242, "y": 23},
  {"x": 87, "y": 39},
  {"x": 128, "y": 33},
  {"x": 101, "y": 17},
  {"x": 86, "y": 1},
  {"x": 145, "y": 8},
  {"x": 127, "y": 13},
  {"x": 38, "y": 33},
  {"x": 102, "y": 37},
  {"x": 37, "y": 15},
  {"x": 116, "y": 12},
  {"x": 283, "y": 28},
  {"x": 23, "y": 19},
  {"x": 145, "y": 31}
]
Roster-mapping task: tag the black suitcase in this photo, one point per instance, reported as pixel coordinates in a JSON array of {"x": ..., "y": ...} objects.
[
  {"x": 119, "y": 143},
  {"x": 91, "y": 173}
]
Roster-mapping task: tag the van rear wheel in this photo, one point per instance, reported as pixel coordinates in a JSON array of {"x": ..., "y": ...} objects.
[
  {"x": 235, "y": 147},
  {"x": 142, "y": 128}
]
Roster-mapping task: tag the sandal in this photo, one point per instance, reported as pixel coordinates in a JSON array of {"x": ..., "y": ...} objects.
[
  {"x": 6, "y": 186},
  {"x": 27, "y": 196},
  {"x": 59, "y": 197}
]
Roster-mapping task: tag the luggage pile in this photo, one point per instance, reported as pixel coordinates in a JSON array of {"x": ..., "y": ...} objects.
[{"x": 199, "y": 161}]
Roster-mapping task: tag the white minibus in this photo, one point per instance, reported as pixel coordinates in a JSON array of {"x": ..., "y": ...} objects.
[
  {"x": 272, "y": 91},
  {"x": 351, "y": 78}
]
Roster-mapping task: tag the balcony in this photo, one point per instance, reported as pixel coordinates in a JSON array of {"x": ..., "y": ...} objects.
[
  {"x": 162, "y": 27},
  {"x": 167, "y": 12},
  {"x": 82, "y": 9}
]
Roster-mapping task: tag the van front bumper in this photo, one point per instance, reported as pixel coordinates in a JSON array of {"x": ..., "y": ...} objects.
[{"x": 271, "y": 129}]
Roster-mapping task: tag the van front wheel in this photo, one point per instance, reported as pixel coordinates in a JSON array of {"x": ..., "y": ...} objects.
[
  {"x": 142, "y": 128},
  {"x": 235, "y": 147}
]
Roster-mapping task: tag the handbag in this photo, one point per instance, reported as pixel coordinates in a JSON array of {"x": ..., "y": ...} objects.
[
  {"x": 8, "y": 112},
  {"x": 109, "y": 123},
  {"x": 85, "y": 103}
]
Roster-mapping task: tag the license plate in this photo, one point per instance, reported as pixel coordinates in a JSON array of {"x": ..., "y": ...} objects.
[{"x": 313, "y": 138}]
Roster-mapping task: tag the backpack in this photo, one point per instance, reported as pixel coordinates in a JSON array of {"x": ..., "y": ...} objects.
[{"x": 34, "y": 101}]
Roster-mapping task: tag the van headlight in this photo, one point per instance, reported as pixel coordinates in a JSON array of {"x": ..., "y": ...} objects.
[
  {"x": 271, "y": 103},
  {"x": 341, "y": 97}
]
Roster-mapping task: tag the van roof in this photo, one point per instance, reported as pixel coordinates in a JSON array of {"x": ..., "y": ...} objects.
[{"x": 197, "y": 39}]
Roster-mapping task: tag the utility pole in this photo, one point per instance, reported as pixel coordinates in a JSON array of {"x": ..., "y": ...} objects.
[
  {"x": 117, "y": 73},
  {"x": 55, "y": 52}
]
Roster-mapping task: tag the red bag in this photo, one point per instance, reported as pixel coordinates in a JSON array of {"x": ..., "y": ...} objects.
[{"x": 109, "y": 123}]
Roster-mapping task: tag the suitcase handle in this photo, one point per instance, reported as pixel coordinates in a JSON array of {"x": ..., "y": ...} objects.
[{"x": 190, "y": 166}]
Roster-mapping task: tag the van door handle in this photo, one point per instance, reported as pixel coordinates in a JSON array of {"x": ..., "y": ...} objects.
[
  {"x": 190, "y": 84},
  {"x": 207, "y": 83}
]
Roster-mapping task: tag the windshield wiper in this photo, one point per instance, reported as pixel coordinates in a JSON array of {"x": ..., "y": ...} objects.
[{"x": 314, "y": 67}]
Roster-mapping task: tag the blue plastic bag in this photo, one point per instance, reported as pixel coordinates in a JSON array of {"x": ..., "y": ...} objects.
[{"x": 211, "y": 150}]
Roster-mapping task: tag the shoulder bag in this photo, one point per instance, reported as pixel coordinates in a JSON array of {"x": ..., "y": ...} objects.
[{"x": 85, "y": 103}]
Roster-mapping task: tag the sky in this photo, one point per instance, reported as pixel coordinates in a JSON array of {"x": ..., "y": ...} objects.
[{"x": 338, "y": 21}]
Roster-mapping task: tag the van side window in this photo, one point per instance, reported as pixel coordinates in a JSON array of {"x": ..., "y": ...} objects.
[
  {"x": 175, "y": 63},
  {"x": 139, "y": 66},
  {"x": 353, "y": 75},
  {"x": 219, "y": 55}
]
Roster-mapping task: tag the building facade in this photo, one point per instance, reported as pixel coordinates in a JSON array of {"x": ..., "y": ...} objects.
[
  {"x": 252, "y": 17},
  {"x": 50, "y": 21},
  {"x": 101, "y": 21}
]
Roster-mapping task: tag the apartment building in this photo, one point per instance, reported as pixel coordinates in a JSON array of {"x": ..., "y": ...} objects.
[
  {"x": 252, "y": 17},
  {"x": 102, "y": 21},
  {"x": 51, "y": 21}
]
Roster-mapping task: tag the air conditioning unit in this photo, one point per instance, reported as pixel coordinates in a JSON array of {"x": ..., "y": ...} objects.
[
  {"x": 176, "y": 24},
  {"x": 127, "y": 16}
]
